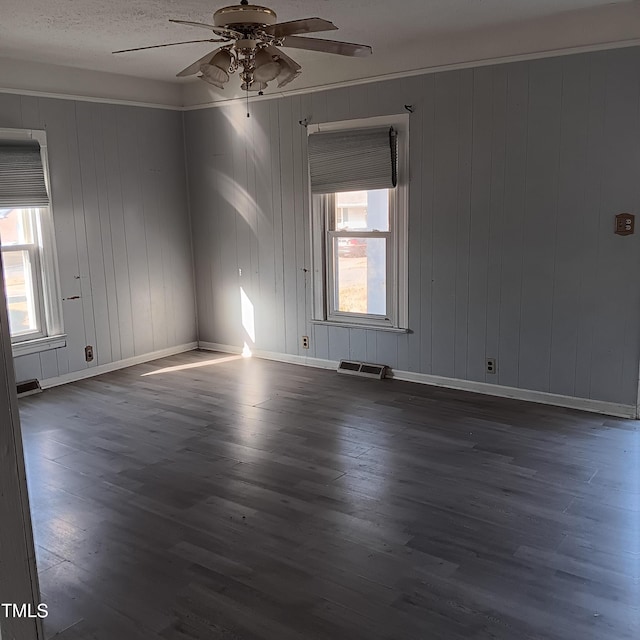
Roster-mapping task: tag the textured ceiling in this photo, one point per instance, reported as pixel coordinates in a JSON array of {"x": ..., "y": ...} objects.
[{"x": 82, "y": 33}]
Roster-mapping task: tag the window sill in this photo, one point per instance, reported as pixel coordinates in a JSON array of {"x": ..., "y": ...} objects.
[
  {"x": 36, "y": 346},
  {"x": 356, "y": 325}
]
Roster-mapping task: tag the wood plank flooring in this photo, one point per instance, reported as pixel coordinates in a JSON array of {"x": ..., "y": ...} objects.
[{"x": 204, "y": 496}]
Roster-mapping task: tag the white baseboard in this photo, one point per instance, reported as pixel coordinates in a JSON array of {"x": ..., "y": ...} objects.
[
  {"x": 541, "y": 397},
  {"x": 114, "y": 366}
]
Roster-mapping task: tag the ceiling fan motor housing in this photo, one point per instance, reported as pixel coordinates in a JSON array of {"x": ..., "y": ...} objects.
[{"x": 244, "y": 15}]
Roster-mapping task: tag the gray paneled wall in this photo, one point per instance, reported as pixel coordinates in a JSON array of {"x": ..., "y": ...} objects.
[
  {"x": 516, "y": 173},
  {"x": 122, "y": 229}
]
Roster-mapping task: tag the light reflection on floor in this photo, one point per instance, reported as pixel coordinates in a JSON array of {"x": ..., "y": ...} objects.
[{"x": 193, "y": 365}]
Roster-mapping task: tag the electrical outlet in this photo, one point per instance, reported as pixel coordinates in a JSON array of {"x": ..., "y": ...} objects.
[
  {"x": 492, "y": 365},
  {"x": 88, "y": 353},
  {"x": 305, "y": 342},
  {"x": 625, "y": 223}
]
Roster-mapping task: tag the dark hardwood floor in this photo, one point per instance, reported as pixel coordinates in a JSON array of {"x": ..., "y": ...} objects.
[{"x": 246, "y": 499}]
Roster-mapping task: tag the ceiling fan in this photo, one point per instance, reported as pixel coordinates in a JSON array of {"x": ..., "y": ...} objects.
[{"x": 252, "y": 40}]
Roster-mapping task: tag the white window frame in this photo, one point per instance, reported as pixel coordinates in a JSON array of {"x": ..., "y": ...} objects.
[
  {"x": 44, "y": 263},
  {"x": 323, "y": 206},
  {"x": 34, "y": 249}
]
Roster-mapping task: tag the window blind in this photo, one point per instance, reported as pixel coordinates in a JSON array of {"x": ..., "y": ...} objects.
[
  {"x": 355, "y": 160},
  {"x": 22, "y": 176}
]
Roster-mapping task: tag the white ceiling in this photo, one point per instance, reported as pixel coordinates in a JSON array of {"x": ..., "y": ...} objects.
[{"x": 405, "y": 35}]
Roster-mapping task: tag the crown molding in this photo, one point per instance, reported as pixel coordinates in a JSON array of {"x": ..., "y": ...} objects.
[
  {"x": 336, "y": 85},
  {"x": 21, "y": 77},
  {"x": 470, "y": 64},
  {"x": 80, "y": 98}
]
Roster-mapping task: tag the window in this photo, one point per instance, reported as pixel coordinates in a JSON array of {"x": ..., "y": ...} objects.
[
  {"x": 20, "y": 259},
  {"x": 27, "y": 244},
  {"x": 359, "y": 192}
]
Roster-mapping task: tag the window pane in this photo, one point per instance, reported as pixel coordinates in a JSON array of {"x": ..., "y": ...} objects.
[
  {"x": 362, "y": 211},
  {"x": 16, "y": 226},
  {"x": 361, "y": 274},
  {"x": 19, "y": 291}
]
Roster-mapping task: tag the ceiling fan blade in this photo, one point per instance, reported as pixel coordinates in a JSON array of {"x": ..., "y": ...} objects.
[
  {"x": 327, "y": 46},
  {"x": 307, "y": 25},
  {"x": 222, "y": 31},
  {"x": 195, "y": 66},
  {"x": 169, "y": 44}
]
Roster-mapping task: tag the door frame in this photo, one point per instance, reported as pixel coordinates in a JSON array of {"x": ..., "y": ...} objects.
[{"x": 18, "y": 572}]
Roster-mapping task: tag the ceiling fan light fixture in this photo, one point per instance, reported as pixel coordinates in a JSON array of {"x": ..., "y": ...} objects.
[
  {"x": 266, "y": 68},
  {"x": 287, "y": 73},
  {"x": 214, "y": 75},
  {"x": 213, "y": 82},
  {"x": 222, "y": 60}
]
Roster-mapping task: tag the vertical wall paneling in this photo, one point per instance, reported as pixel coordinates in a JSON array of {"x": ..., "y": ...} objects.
[
  {"x": 462, "y": 233},
  {"x": 113, "y": 224},
  {"x": 589, "y": 232},
  {"x": 414, "y": 175},
  {"x": 421, "y": 255},
  {"x": 300, "y": 215},
  {"x": 480, "y": 222},
  {"x": 286, "y": 123},
  {"x": 338, "y": 101},
  {"x": 11, "y": 106},
  {"x": 496, "y": 220},
  {"x": 540, "y": 222},
  {"x": 305, "y": 244},
  {"x": 445, "y": 222},
  {"x": 227, "y": 299},
  {"x": 28, "y": 367},
  {"x": 387, "y": 348},
  {"x": 48, "y": 365},
  {"x": 55, "y": 116},
  {"x": 243, "y": 211},
  {"x": 512, "y": 229},
  {"x": 319, "y": 334},
  {"x": 121, "y": 226},
  {"x": 516, "y": 173},
  {"x": 99, "y": 116},
  {"x": 568, "y": 237},
  {"x": 134, "y": 228},
  {"x": 151, "y": 197},
  {"x": 260, "y": 154},
  {"x": 620, "y": 193},
  {"x": 76, "y": 138},
  {"x": 358, "y": 345},
  {"x": 372, "y": 347},
  {"x": 253, "y": 162},
  {"x": 321, "y": 341},
  {"x": 278, "y": 228},
  {"x": 338, "y": 342},
  {"x": 30, "y": 112},
  {"x": 199, "y": 138},
  {"x": 178, "y": 268},
  {"x": 94, "y": 285}
]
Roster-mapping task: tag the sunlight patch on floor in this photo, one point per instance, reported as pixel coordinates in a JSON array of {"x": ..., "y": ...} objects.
[{"x": 193, "y": 365}]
